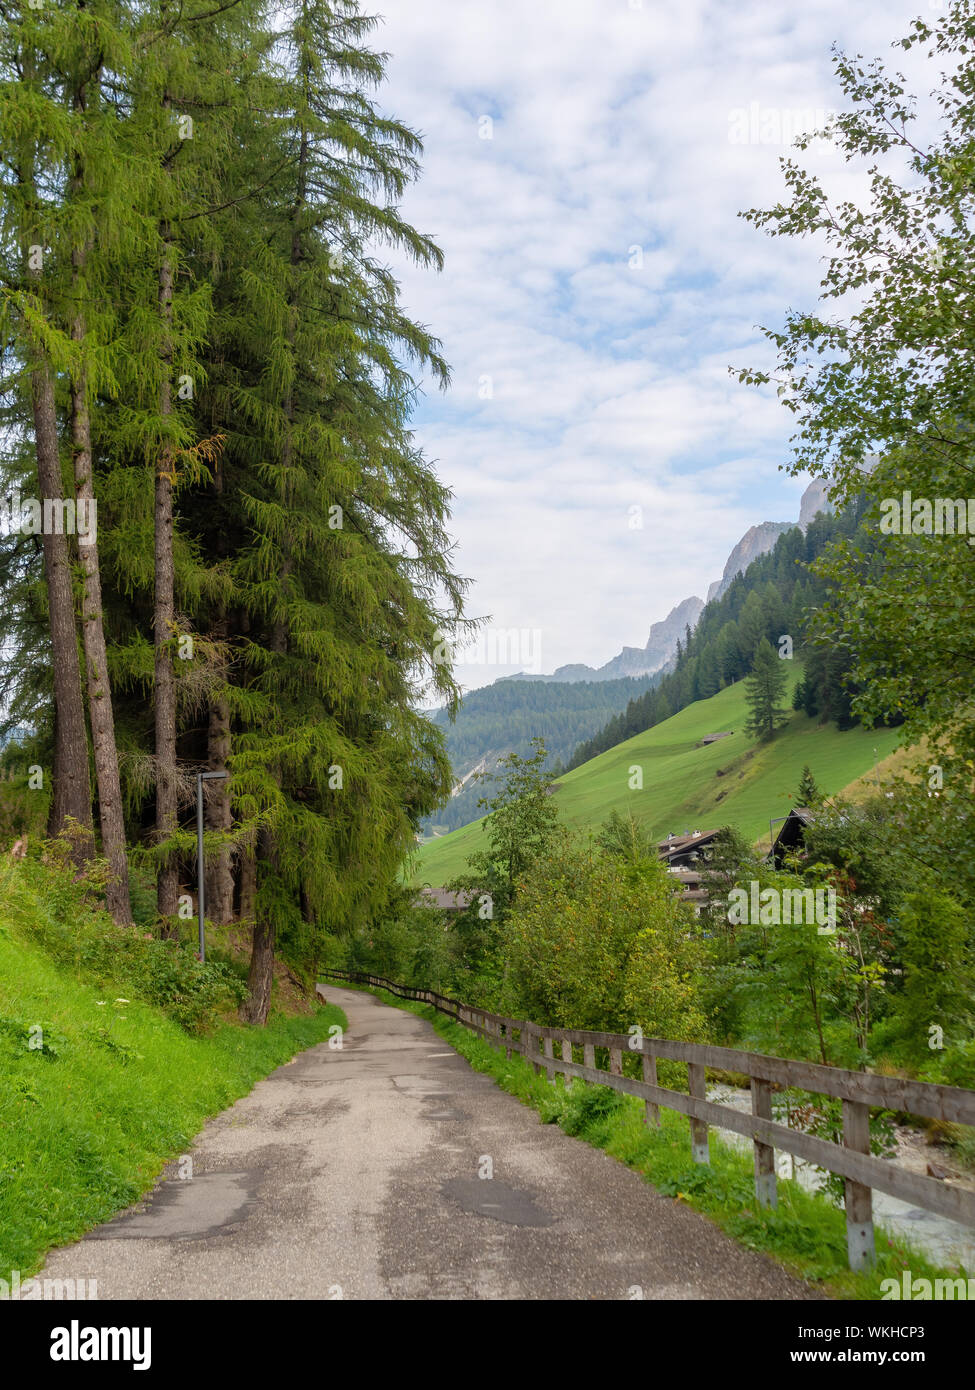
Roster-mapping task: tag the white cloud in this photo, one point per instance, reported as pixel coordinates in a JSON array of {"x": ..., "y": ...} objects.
[{"x": 609, "y": 383}]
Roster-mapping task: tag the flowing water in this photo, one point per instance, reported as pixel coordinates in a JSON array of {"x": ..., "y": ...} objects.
[{"x": 944, "y": 1241}]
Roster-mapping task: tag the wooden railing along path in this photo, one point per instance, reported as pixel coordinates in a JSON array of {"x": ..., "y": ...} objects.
[{"x": 859, "y": 1091}]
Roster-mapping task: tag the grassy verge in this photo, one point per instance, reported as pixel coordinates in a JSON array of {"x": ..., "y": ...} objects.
[
  {"x": 806, "y": 1233},
  {"x": 99, "y": 1088}
]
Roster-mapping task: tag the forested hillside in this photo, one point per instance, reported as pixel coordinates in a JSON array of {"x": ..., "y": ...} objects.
[
  {"x": 737, "y": 781},
  {"x": 505, "y": 717},
  {"x": 775, "y": 598}
]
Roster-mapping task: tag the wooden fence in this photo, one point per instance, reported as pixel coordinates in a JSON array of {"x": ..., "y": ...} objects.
[{"x": 859, "y": 1091}]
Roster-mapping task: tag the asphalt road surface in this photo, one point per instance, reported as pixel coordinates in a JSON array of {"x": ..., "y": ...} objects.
[{"x": 356, "y": 1173}]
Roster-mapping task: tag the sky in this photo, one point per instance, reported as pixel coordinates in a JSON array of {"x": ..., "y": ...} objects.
[{"x": 584, "y": 165}]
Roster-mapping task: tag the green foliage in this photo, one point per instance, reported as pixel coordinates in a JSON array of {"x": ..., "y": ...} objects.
[
  {"x": 588, "y": 1107},
  {"x": 764, "y": 690},
  {"x": 807, "y": 793},
  {"x": 313, "y": 575},
  {"x": 506, "y": 716},
  {"x": 878, "y": 379},
  {"x": 118, "y": 1087},
  {"x": 626, "y": 838},
  {"x": 53, "y": 912},
  {"x": 938, "y": 977},
  {"x": 410, "y": 942},
  {"x": 521, "y": 825},
  {"x": 595, "y": 943}
]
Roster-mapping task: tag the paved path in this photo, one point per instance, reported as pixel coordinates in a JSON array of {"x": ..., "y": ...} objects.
[{"x": 355, "y": 1174}]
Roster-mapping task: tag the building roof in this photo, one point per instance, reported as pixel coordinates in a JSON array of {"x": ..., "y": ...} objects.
[
  {"x": 684, "y": 847},
  {"x": 791, "y": 832}
]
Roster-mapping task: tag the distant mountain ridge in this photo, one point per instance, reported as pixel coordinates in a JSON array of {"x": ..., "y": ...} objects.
[
  {"x": 633, "y": 661},
  {"x": 662, "y": 641},
  {"x": 577, "y": 705}
]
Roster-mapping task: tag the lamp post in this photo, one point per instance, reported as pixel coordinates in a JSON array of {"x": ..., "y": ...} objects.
[{"x": 202, "y": 777}]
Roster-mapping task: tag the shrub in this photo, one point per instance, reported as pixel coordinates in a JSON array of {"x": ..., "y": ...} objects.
[
  {"x": 53, "y": 908},
  {"x": 593, "y": 942}
]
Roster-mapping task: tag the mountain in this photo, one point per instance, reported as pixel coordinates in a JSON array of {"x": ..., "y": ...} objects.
[
  {"x": 633, "y": 661},
  {"x": 580, "y": 711},
  {"x": 687, "y": 786},
  {"x": 504, "y": 717},
  {"x": 815, "y": 499},
  {"x": 757, "y": 540},
  {"x": 662, "y": 641}
]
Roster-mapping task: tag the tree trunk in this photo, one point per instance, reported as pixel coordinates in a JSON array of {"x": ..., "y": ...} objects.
[
  {"x": 219, "y": 874},
  {"x": 248, "y": 884},
  {"x": 255, "y": 1007},
  {"x": 110, "y": 811},
  {"x": 71, "y": 798},
  {"x": 167, "y": 883}
]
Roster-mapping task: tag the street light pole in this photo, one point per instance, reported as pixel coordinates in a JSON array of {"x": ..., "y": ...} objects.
[{"x": 202, "y": 777}]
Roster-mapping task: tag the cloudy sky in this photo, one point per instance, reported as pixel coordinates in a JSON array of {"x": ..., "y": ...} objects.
[{"x": 585, "y": 161}]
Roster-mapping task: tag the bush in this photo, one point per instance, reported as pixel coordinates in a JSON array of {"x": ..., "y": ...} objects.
[
  {"x": 594, "y": 942},
  {"x": 56, "y": 913}
]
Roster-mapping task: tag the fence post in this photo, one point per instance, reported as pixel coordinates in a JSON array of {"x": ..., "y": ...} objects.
[
  {"x": 857, "y": 1198},
  {"x": 766, "y": 1190},
  {"x": 533, "y": 1046},
  {"x": 651, "y": 1110},
  {"x": 589, "y": 1055},
  {"x": 615, "y": 1061},
  {"x": 699, "y": 1129},
  {"x": 566, "y": 1055},
  {"x": 548, "y": 1049}
]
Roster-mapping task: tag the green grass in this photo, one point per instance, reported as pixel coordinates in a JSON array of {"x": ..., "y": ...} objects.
[
  {"x": 681, "y": 786},
  {"x": 109, "y": 1092},
  {"x": 806, "y": 1233}
]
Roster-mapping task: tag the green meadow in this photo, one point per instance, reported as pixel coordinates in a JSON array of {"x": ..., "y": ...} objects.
[{"x": 736, "y": 781}]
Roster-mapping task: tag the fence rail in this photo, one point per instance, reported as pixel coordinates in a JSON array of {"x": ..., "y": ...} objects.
[{"x": 859, "y": 1092}]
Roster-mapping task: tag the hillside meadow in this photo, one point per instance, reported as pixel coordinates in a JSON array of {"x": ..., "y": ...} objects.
[{"x": 736, "y": 781}]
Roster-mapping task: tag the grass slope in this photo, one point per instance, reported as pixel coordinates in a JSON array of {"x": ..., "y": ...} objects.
[
  {"x": 110, "y": 1090},
  {"x": 682, "y": 789}
]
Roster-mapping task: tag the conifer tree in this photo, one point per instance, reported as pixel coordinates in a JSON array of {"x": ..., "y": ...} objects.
[
  {"x": 808, "y": 793},
  {"x": 764, "y": 691},
  {"x": 32, "y": 149}
]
